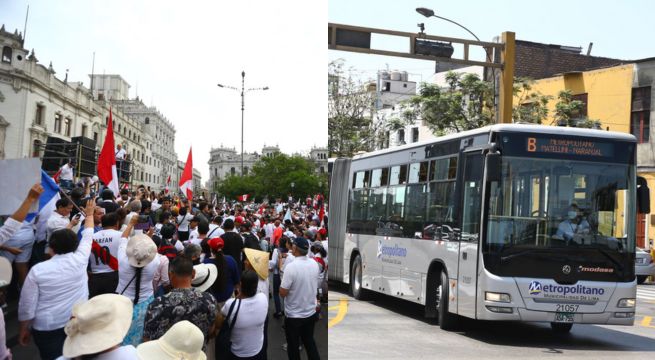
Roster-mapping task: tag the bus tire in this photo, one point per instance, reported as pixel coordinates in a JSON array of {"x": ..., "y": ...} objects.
[
  {"x": 561, "y": 328},
  {"x": 447, "y": 320},
  {"x": 356, "y": 289}
]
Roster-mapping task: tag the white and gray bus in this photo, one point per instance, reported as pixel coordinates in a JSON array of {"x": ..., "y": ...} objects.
[{"x": 506, "y": 222}]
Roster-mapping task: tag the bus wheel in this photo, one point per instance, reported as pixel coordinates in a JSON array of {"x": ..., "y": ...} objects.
[
  {"x": 447, "y": 320},
  {"x": 561, "y": 328},
  {"x": 356, "y": 279}
]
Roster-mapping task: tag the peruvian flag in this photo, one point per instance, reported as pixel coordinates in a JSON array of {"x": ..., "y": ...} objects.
[
  {"x": 168, "y": 183},
  {"x": 186, "y": 181},
  {"x": 243, "y": 197},
  {"x": 107, "y": 160}
]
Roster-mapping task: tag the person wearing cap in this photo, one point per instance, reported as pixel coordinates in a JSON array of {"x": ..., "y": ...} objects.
[
  {"x": 42, "y": 310},
  {"x": 183, "y": 340},
  {"x": 97, "y": 328},
  {"x": 233, "y": 243},
  {"x": 183, "y": 302},
  {"x": 193, "y": 229},
  {"x": 249, "y": 310},
  {"x": 228, "y": 271},
  {"x": 298, "y": 288},
  {"x": 137, "y": 265}
]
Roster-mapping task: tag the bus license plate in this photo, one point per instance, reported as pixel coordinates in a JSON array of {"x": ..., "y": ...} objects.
[{"x": 562, "y": 317}]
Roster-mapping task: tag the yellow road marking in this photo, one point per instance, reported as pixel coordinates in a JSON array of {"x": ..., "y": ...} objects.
[
  {"x": 332, "y": 308},
  {"x": 343, "y": 309},
  {"x": 646, "y": 322}
]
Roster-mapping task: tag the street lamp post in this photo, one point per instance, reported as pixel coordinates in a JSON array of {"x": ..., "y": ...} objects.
[{"x": 243, "y": 93}]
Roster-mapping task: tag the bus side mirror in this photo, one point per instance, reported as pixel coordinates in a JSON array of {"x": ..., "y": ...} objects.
[
  {"x": 643, "y": 196},
  {"x": 493, "y": 167}
]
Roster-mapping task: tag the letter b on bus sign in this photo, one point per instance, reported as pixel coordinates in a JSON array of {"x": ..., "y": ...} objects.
[{"x": 532, "y": 144}]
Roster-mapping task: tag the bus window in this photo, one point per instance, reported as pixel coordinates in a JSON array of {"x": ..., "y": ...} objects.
[
  {"x": 472, "y": 200},
  {"x": 396, "y": 210},
  {"x": 376, "y": 178},
  {"x": 377, "y": 205},
  {"x": 358, "y": 182},
  {"x": 398, "y": 175},
  {"x": 416, "y": 200},
  {"x": 358, "y": 205},
  {"x": 418, "y": 172},
  {"x": 440, "y": 202}
]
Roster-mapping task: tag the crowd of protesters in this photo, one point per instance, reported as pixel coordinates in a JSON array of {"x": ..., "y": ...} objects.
[{"x": 145, "y": 275}]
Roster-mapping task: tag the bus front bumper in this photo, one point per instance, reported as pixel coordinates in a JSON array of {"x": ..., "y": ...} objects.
[{"x": 491, "y": 312}]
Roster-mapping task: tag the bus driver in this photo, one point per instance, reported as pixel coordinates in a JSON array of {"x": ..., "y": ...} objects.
[{"x": 574, "y": 224}]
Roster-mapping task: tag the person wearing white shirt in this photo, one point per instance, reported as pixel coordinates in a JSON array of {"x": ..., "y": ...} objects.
[
  {"x": 53, "y": 287},
  {"x": 60, "y": 218},
  {"x": 298, "y": 289},
  {"x": 66, "y": 176},
  {"x": 102, "y": 261},
  {"x": 120, "y": 153},
  {"x": 6, "y": 232}
]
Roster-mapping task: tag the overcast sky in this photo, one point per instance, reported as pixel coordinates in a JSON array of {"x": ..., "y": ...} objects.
[
  {"x": 620, "y": 30},
  {"x": 177, "y": 51}
]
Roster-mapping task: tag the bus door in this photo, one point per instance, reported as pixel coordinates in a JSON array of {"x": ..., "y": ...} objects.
[{"x": 470, "y": 233}]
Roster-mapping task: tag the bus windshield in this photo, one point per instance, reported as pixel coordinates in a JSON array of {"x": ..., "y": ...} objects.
[{"x": 560, "y": 204}]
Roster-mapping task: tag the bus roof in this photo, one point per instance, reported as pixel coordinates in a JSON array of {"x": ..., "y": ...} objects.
[{"x": 527, "y": 128}]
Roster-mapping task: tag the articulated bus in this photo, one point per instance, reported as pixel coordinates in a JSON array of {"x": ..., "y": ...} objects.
[{"x": 506, "y": 222}]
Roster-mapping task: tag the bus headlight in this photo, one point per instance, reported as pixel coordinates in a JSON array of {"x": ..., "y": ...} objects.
[
  {"x": 498, "y": 297},
  {"x": 627, "y": 303}
]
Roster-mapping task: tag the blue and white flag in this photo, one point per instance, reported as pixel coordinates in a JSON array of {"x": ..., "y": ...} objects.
[
  {"x": 47, "y": 202},
  {"x": 287, "y": 216}
]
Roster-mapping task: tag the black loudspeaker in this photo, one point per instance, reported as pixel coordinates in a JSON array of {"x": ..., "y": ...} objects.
[
  {"x": 56, "y": 151},
  {"x": 87, "y": 161}
]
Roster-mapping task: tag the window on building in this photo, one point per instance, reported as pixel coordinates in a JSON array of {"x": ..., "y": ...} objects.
[
  {"x": 245, "y": 170},
  {"x": 387, "y": 86},
  {"x": 232, "y": 171},
  {"x": 36, "y": 148},
  {"x": 58, "y": 121},
  {"x": 84, "y": 129},
  {"x": 401, "y": 137},
  {"x": 38, "y": 117},
  {"x": 640, "y": 116},
  {"x": 215, "y": 172},
  {"x": 107, "y": 121},
  {"x": 67, "y": 126},
  {"x": 414, "y": 134},
  {"x": 95, "y": 136},
  {"x": 583, "y": 99},
  {"x": 129, "y": 134},
  {"x": 147, "y": 120},
  {"x": 6, "y": 54}
]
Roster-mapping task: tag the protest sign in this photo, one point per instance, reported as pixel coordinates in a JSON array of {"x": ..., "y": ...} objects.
[{"x": 16, "y": 178}]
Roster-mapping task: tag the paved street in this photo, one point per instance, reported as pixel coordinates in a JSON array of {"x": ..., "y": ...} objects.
[{"x": 387, "y": 328}]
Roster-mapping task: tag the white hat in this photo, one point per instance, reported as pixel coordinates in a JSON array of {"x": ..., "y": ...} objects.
[
  {"x": 206, "y": 274},
  {"x": 141, "y": 250},
  {"x": 182, "y": 341},
  {"x": 5, "y": 271},
  {"x": 97, "y": 325}
]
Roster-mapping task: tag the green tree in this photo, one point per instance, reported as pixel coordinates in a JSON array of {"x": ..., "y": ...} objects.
[
  {"x": 465, "y": 103},
  {"x": 568, "y": 112},
  {"x": 272, "y": 177},
  {"x": 350, "y": 109},
  {"x": 529, "y": 106}
]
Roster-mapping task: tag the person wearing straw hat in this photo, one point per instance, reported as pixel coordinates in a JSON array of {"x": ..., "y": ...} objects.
[
  {"x": 137, "y": 265},
  {"x": 183, "y": 340},
  {"x": 257, "y": 260},
  {"x": 52, "y": 288},
  {"x": 97, "y": 328},
  {"x": 183, "y": 302}
]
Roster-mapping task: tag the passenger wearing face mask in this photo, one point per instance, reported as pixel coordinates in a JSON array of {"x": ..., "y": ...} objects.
[{"x": 574, "y": 224}]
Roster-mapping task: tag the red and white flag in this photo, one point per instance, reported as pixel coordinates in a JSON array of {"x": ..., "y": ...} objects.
[
  {"x": 186, "y": 181},
  {"x": 243, "y": 197},
  {"x": 168, "y": 183},
  {"x": 107, "y": 160}
]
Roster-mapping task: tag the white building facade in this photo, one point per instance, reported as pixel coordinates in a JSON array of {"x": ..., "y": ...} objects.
[{"x": 37, "y": 108}]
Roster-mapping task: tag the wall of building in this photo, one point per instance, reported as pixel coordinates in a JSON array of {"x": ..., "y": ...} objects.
[{"x": 608, "y": 92}]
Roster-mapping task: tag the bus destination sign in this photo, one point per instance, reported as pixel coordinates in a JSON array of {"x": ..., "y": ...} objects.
[{"x": 569, "y": 146}]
